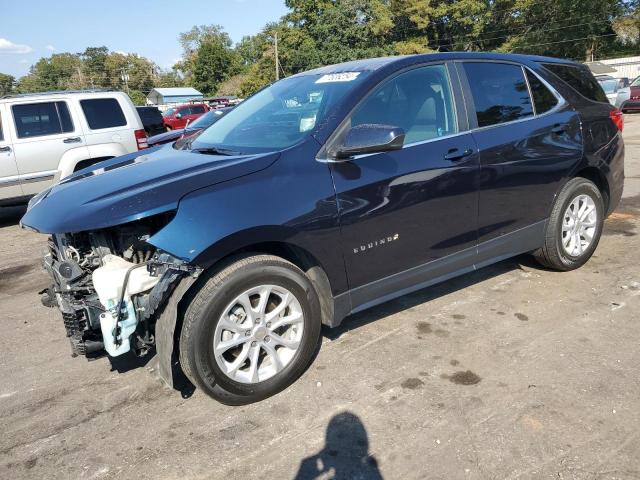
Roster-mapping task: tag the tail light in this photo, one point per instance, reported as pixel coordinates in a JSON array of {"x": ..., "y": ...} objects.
[
  {"x": 141, "y": 139},
  {"x": 617, "y": 118}
]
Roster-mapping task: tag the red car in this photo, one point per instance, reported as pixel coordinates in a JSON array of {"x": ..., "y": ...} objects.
[
  {"x": 177, "y": 117},
  {"x": 633, "y": 104}
]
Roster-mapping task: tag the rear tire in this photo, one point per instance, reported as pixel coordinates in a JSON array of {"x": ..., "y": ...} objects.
[
  {"x": 239, "y": 306},
  {"x": 574, "y": 227}
]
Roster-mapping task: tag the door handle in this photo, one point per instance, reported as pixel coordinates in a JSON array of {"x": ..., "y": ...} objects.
[
  {"x": 456, "y": 154},
  {"x": 72, "y": 140},
  {"x": 5, "y": 149},
  {"x": 558, "y": 129}
]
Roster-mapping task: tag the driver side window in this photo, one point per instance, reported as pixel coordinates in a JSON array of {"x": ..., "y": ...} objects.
[{"x": 419, "y": 101}]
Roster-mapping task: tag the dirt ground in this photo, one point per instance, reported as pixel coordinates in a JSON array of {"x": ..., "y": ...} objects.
[{"x": 510, "y": 372}]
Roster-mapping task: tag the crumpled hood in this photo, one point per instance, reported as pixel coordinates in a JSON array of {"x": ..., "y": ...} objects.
[{"x": 132, "y": 187}]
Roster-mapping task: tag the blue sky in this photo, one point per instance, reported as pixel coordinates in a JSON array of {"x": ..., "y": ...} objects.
[{"x": 36, "y": 28}]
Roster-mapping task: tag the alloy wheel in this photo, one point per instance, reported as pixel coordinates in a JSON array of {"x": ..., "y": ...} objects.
[{"x": 258, "y": 334}]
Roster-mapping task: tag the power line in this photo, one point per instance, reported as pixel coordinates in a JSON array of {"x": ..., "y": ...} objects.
[{"x": 563, "y": 41}]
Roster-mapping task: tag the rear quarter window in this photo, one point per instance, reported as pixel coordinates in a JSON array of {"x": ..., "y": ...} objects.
[
  {"x": 580, "y": 79},
  {"x": 103, "y": 113}
]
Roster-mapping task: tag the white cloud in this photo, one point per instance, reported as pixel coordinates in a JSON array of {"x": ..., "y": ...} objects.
[
  {"x": 9, "y": 47},
  {"x": 51, "y": 48},
  {"x": 23, "y": 60},
  {"x": 120, "y": 52}
]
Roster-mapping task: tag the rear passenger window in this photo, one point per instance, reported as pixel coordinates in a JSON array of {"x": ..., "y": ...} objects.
[
  {"x": 103, "y": 113},
  {"x": 39, "y": 119},
  {"x": 499, "y": 91},
  {"x": 580, "y": 79},
  {"x": 543, "y": 99},
  {"x": 197, "y": 109},
  {"x": 419, "y": 101}
]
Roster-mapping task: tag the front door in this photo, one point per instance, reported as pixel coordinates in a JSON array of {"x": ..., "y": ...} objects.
[
  {"x": 43, "y": 133},
  {"x": 409, "y": 216},
  {"x": 9, "y": 180}
]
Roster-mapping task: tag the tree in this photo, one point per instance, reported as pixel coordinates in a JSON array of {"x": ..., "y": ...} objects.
[
  {"x": 138, "y": 98},
  {"x": 94, "y": 66},
  {"x": 6, "y": 84},
  {"x": 214, "y": 62},
  {"x": 58, "y": 72},
  {"x": 216, "y": 46}
]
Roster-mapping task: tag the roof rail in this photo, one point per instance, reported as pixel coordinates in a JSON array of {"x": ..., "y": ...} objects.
[{"x": 59, "y": 92}]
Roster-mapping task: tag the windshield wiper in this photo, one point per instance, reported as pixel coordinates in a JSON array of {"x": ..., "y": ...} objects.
[{"x": 215, "y": 151}]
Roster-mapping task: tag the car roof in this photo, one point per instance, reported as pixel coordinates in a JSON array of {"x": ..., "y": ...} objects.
[
  {"x": 56, "y": 93},
  {"x": 372, "y": 64}
]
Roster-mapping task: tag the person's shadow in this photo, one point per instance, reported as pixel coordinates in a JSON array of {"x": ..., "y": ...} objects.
[{"x": 345, "y": 454}]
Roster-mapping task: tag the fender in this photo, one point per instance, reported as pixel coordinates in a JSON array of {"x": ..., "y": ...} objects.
[
  {"x": 70, "y": 159},
  {"x": 293, "y": 201}
]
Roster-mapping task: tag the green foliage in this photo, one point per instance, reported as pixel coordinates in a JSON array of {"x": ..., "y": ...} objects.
[
  {"x": 138, "y": 98},
  {"x": 208, "y": 57},
  {"x": 6, "y": 84},
  {"x": 320, "y": 32},
  {"x": 96, "y": 67},
  {"x": 214, "y": 62}
]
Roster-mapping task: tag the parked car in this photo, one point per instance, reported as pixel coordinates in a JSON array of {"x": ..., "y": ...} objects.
[
  {"x": 202, "y": 123},
  {"x": 48, "y": 136},
  {"x": 633, "y": 103},
  {"x": 152, "y": 120},
  {"x": 177, "y": 117},
  {"x": 325, "y": 194},
  {"x": 614, "y": 89}
]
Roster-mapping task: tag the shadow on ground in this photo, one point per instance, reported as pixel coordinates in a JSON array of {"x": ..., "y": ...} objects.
[
  {"x": 430, "y": 293},
  {"x": 345, "y": 454},
  {"x": 10, "y": 216}
]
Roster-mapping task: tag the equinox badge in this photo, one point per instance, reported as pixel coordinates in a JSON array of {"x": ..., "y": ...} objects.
[{"x": 376, "y": 243}]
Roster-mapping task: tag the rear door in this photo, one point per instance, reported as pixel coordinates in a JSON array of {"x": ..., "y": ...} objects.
[
  {"x": 43, "y": 133},
  {"x": 9, "y": 178},
  {"x": 105, "y": 123},
  {"x": 526, "y": 149},
  {"x": 409, "y": 216}
]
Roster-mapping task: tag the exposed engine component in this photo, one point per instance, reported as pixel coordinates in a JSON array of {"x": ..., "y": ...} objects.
[{"x": 109, "y": 284}]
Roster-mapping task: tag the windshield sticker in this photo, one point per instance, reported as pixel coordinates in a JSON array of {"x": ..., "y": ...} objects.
[{"x": 338, "y": 77}]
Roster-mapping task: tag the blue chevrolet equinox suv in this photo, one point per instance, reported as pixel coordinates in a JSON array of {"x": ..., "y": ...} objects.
[{"x": 327, "y": 193}]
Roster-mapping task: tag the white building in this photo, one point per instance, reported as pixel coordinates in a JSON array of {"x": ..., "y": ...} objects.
[{"x": 622, "y": 67}]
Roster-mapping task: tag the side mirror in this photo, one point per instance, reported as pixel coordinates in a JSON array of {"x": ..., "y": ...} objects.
[
  {"x": 178, "y": 115},
  {"x": 371, "y": 138}
]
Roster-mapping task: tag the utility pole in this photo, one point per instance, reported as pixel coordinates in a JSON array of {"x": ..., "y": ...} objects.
[
  {"x": 80, "y": 78},
  {"x": 277, "y": 61},
  {"x": 125, "y": 79}
]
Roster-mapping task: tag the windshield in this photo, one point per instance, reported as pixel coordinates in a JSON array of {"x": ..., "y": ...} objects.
[
  {"x": 281, "y": 115},
  {"x": 609, "y": 86},
  {"x": 636, "y": 82},
  {"x": 208, "y": 119},
  {"x": 169, "y": 112}
]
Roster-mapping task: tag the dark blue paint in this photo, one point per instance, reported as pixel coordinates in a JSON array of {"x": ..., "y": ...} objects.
[{"x": 449, "y": 215}]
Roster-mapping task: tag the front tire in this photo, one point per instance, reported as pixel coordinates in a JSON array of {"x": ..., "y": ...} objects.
[
  {"x": 250, "y": 330},
  {"x": 574, "y": 227}
]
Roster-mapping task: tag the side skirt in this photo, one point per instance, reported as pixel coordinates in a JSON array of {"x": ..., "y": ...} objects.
[{"x": 487, "y": 253}]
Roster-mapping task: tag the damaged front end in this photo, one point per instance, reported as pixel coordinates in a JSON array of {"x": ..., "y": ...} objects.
[{"x": 110, "y": 285}]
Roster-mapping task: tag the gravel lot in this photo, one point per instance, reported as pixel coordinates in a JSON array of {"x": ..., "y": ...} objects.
[{"x": 511, "y": 372}]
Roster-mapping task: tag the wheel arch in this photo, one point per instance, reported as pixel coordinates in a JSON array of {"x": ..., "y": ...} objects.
[
  {"x": 599, "y": 179},
  {"x": 299, "y": 256},
  {"x": 169, "y": 326}
]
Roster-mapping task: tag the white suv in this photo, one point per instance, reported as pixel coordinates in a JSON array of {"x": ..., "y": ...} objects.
[{"x": 47, "y": 136}]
